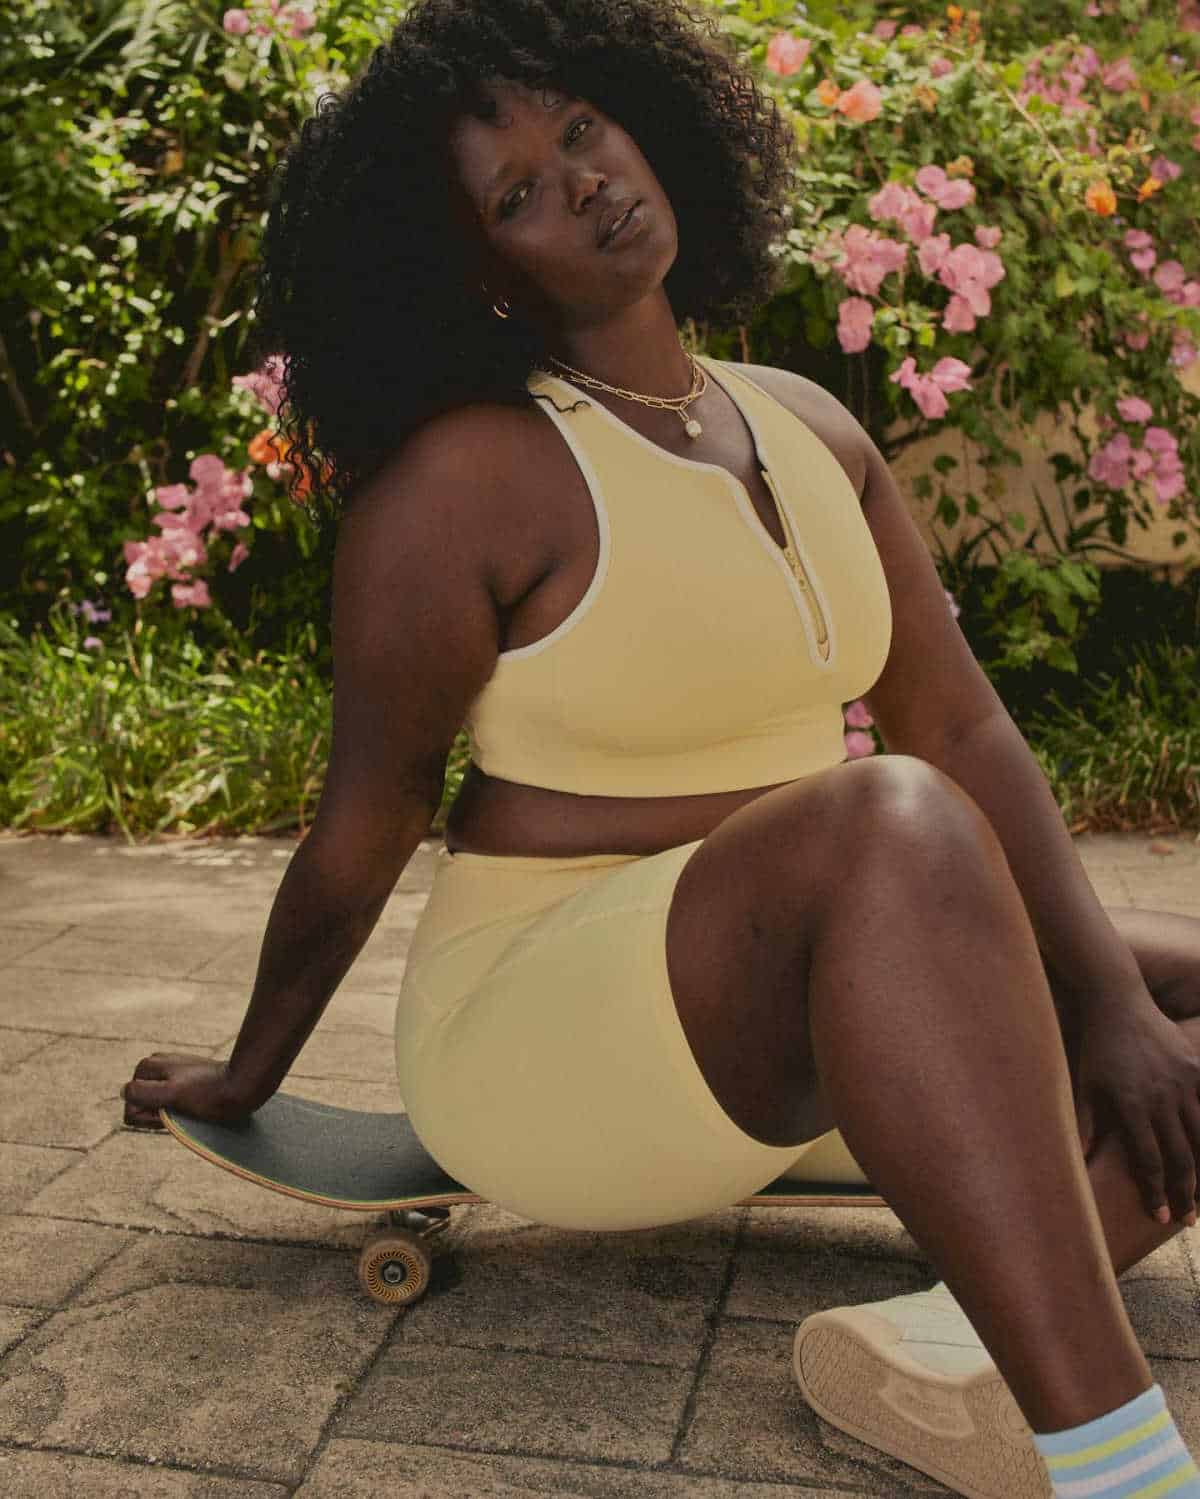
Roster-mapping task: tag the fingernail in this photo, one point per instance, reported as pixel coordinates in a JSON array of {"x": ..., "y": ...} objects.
[
  {"x": 1163, "y": 1214},
  {"x": 1190, "y": 1220}
]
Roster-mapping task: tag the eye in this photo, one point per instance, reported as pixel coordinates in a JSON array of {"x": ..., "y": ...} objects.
[{"x": 513, "y": 202}]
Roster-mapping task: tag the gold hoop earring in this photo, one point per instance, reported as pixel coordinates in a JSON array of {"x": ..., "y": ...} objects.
[{"x": 495, "y": 308}]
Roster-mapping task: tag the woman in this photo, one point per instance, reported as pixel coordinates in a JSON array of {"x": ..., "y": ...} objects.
[{"x": 674, "y": 941}]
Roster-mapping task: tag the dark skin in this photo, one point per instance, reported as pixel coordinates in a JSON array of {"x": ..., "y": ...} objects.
[{"x": 606, "y": 312}]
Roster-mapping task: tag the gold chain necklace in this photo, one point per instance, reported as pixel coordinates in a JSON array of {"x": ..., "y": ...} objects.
[{"x": 677, "y": 404}]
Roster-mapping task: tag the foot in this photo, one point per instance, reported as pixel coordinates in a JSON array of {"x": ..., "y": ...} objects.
[{"x": 911, "y": 1377}]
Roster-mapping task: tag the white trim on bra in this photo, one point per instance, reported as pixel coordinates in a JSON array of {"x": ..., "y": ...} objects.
[{"x": 592, "y": 479}]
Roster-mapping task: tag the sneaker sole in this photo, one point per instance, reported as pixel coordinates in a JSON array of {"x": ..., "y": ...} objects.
[{"x": 967, "y": 1433}]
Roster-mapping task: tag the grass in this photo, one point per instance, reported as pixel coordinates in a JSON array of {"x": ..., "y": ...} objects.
[{"x": 151, "y": 736}]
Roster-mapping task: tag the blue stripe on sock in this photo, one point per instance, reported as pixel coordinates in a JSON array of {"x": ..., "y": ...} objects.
[{"x": 1134, "y": 1452}]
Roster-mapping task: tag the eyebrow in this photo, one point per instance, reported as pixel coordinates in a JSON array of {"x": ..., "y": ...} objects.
[{"x": 502, "y": 171}]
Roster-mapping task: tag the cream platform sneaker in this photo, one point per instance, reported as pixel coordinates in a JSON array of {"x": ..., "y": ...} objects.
[{"x": 911, "y": 1377}]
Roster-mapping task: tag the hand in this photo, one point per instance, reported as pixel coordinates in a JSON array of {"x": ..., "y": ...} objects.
[
  {"x": 1138, "y": 1072},
  {"x": 194, "y": 1085}
]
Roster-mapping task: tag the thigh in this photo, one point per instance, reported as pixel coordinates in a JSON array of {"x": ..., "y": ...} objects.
[
  {"x": 547, "y": 1069},
  {"x": 750, "y": 902}
]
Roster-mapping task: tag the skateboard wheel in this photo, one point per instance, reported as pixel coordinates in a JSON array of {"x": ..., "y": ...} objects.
[{"x": 395, "y": 1267}]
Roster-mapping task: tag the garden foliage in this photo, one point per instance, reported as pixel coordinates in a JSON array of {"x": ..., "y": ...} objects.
[{"x": 998, "y": 208}]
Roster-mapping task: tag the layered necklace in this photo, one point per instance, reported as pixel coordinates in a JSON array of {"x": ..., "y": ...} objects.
[{"x": 677, "y": 404}]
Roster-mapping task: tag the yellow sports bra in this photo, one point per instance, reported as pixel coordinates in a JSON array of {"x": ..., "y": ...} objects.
[{"x": 699, "y": 659}]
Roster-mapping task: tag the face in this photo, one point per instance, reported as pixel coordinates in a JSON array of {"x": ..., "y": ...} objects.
[{"x": 536, "y": 184}]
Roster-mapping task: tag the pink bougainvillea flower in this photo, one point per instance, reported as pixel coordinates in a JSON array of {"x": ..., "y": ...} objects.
[
  {"x": 236, "y": 22},
  {"x": 238, "y": 556},
  {"x": 1110, "y": 464},
  {"x": 858, "y": 745},
  {"x": 912, "y": 30},
  {"x": 1165, "y": 169},
  {"x": 855, "y": 316},
  {"x": 947, "y": 192},
  {"x": 1183, "y": 352},
  {"x": 903, "y": 206},
  {"x": 195, "y": 594},
  {"x": 302, "y": 21},
  {"x": 1134, "y": 409},
  {"x": 858, "y": 715},
  {"x": 892, "y": 199},
  {"x": 264, "y": 383},
  {"x": 932, "y": 253},
  {"x": 1119, "y": 76},
  {"x": 885, "y": 30},
  {"x": 787, "y": 54},
  {"x": 1169, "y": 277},
  {"x": 862, "y": 103},
  {"x": 869, "y": 258},
  {"x": 1137, "y": 340},
  {"x": 959, "y": 316},
  {"x": 987, "y": 237},
  {"x": 930, "y": 391},
  {"x": 971, "y": 272}
]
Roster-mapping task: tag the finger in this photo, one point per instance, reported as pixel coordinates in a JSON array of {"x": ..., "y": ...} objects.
[
  {"x": 1179, "y": 1164},
  {"x": 147, "y": 1094},
  {"x": 1146, "y": 1164},
  {"x": 1190, "y": 1116}
]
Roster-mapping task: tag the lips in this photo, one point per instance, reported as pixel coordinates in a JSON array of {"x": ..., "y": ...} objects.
[{"x": 611, "y": 219}]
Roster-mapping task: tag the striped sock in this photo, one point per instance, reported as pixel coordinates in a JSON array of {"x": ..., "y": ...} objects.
[{"x": 1134, "y": 1452}]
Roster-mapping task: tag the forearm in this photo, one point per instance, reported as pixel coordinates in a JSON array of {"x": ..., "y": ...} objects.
[
  {"x": 318, "y": 925},
  {"x": 1081, "y": 948}
]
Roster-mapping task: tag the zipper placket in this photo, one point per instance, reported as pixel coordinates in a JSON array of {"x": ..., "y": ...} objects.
[{"x": 793, "y": 561}]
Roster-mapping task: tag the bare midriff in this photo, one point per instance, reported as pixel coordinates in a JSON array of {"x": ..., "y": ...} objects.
[{"x": 491, "y": 816}]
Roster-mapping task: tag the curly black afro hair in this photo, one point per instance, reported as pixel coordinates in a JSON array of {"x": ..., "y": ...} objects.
[{"x": 363, "y": 266}]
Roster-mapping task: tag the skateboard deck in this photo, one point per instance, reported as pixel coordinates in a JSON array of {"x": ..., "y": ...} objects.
[{"x": 346, "y": 1158}]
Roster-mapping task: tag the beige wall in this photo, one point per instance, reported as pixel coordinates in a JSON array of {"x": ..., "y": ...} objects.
[{"x": 1152, "y": 545}]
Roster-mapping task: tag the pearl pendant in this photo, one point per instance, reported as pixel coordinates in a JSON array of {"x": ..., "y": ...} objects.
[{"x": 693, "y": 428}]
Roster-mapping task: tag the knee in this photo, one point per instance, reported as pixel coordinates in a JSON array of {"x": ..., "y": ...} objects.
[{"x": 904, "y": 808}]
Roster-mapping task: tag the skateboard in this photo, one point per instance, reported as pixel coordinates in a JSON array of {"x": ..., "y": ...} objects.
[{"x": 373, "y": 1163}]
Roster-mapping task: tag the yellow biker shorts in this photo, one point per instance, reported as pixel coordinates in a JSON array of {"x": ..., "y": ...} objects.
[{"x": 542, "y": 1061}]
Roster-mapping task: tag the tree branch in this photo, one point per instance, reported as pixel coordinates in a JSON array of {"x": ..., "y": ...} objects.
[
  {"x": 9, "y": 376},
  {"x": 226, "y": 272}
]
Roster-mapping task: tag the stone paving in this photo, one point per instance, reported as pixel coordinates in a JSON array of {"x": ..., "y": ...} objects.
[{"x": 167, "y": 1329}]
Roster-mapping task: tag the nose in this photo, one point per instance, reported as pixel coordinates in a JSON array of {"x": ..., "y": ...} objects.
[{"x": 587, "y": 184}]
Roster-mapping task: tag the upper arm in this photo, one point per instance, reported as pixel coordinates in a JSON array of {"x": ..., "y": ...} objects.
[
  {"x": 931, "y": 689},
  {"x": 415, "y": 638}
]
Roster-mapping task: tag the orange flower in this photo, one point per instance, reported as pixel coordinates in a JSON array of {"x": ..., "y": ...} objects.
[
  {"x": 828, "y": 92},
  {"x": 1101, "y": 199},
  {"x": 926, "y": 97},
  {"x": 267, "y": 447},
  {"x": 1148, "y": 189},
  {"x": 955, "y": 13},
  {"x": 961, "y": 166}
]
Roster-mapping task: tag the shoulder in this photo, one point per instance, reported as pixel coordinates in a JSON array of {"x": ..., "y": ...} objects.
[
  {"x": 462, "y": 459},
  {"x": 463, "y": 487},
  {"x": 837, "y": 427}
]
